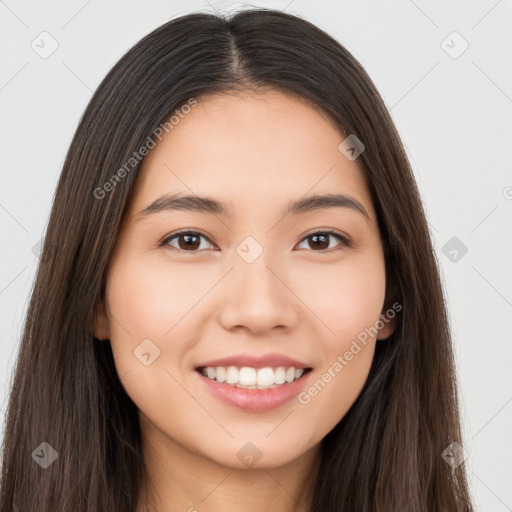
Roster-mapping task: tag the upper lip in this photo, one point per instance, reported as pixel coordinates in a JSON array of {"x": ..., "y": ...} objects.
[{"x": 272, "y": 360}]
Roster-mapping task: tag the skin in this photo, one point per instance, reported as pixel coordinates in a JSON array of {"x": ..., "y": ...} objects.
[{"x": 256, "y": 152}]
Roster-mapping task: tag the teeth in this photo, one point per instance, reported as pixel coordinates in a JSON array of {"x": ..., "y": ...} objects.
[
  {"x": 219, "y": 374},
  {"x": 265, "y": 377},
  {"x": 231, "y": 374},
  {"x": 247, "y": 376},
  {"x": 280, "y": 375},
  {"x": 252, "y": 378}
]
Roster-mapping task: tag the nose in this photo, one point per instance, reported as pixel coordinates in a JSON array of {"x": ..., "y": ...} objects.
[{"x": 259, "y": 297}]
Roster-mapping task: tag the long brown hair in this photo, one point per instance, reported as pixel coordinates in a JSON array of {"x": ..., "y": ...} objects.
[{"x": 385, "y": 455}]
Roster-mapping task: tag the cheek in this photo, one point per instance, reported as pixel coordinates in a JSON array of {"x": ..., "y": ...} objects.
[
  {"x": 151, "y": 300},
  {"x": 145, "y": 303},
  {"x": 147, "y": 308},
  {"x": 346, "y": 298}
]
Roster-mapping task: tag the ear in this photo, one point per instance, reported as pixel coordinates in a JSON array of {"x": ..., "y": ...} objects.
[
  {"x": 389, "y": 313},
  {"x": 101, "y": 323},
  {"x": 389, "y": 324},
  {"x": 387, "y": 318}
]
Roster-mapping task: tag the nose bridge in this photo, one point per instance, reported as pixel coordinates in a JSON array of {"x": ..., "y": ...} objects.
[
  {"x": 256, "y": 270},
  {"x": 257, "y": 296}
]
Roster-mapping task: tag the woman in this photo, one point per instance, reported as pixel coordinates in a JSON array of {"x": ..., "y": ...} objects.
[{"x": 238, "y": 303}]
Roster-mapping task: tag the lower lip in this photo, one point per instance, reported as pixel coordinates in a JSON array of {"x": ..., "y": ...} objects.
[{"x": 257, "y": 400}]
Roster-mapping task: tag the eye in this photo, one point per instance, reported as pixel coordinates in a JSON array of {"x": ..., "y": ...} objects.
[
  {"x": 187, "y": 240},
  {"x": 320, "y": 240}
]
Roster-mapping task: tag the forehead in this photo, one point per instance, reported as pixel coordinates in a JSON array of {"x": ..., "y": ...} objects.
[{"x": 250, "y": 150}]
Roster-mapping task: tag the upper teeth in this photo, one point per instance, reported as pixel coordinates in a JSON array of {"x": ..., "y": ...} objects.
[{"x": 252, "y": 378}]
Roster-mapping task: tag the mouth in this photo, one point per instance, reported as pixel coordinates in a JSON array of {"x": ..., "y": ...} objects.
[
  {"x": 247, "y": 377},
  {"x": 254, "y": 389}
]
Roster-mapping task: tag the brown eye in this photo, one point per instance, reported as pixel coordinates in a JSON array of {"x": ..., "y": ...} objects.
[
  {"x": 320, "y": 240},
  {"x": 187, "y": 241},
  {"x": 190, "y": 241}
]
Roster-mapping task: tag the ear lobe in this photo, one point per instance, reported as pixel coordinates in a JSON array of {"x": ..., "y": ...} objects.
[
  {"x": 101, "y": 324},
  {"x": 392, "y": 292},
  {"x": 387, "y": 321},
  {"x": 388, "y": 329}
]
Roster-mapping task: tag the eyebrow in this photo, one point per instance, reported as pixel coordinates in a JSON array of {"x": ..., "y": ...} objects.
[{"x": 196, "y": 203}]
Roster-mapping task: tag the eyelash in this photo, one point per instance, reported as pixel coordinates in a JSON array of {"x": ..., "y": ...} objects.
[{"x": 345, "y": 242}]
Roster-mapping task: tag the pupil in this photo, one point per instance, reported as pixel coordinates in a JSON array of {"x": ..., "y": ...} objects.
[
  {"x": 316, "y": 237},
  {"x": 188, "y": 245}
]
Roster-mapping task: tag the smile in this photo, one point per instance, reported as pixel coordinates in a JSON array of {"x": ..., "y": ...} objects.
[
  {"x": 251, "y": 389},
  {"x": 247, "y": 377}
]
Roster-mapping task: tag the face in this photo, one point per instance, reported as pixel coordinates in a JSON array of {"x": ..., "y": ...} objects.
[{"x": 251, "y": 282}]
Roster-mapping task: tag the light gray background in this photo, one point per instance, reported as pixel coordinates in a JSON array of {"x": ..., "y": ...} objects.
[{"x": 454, "y": 116}]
